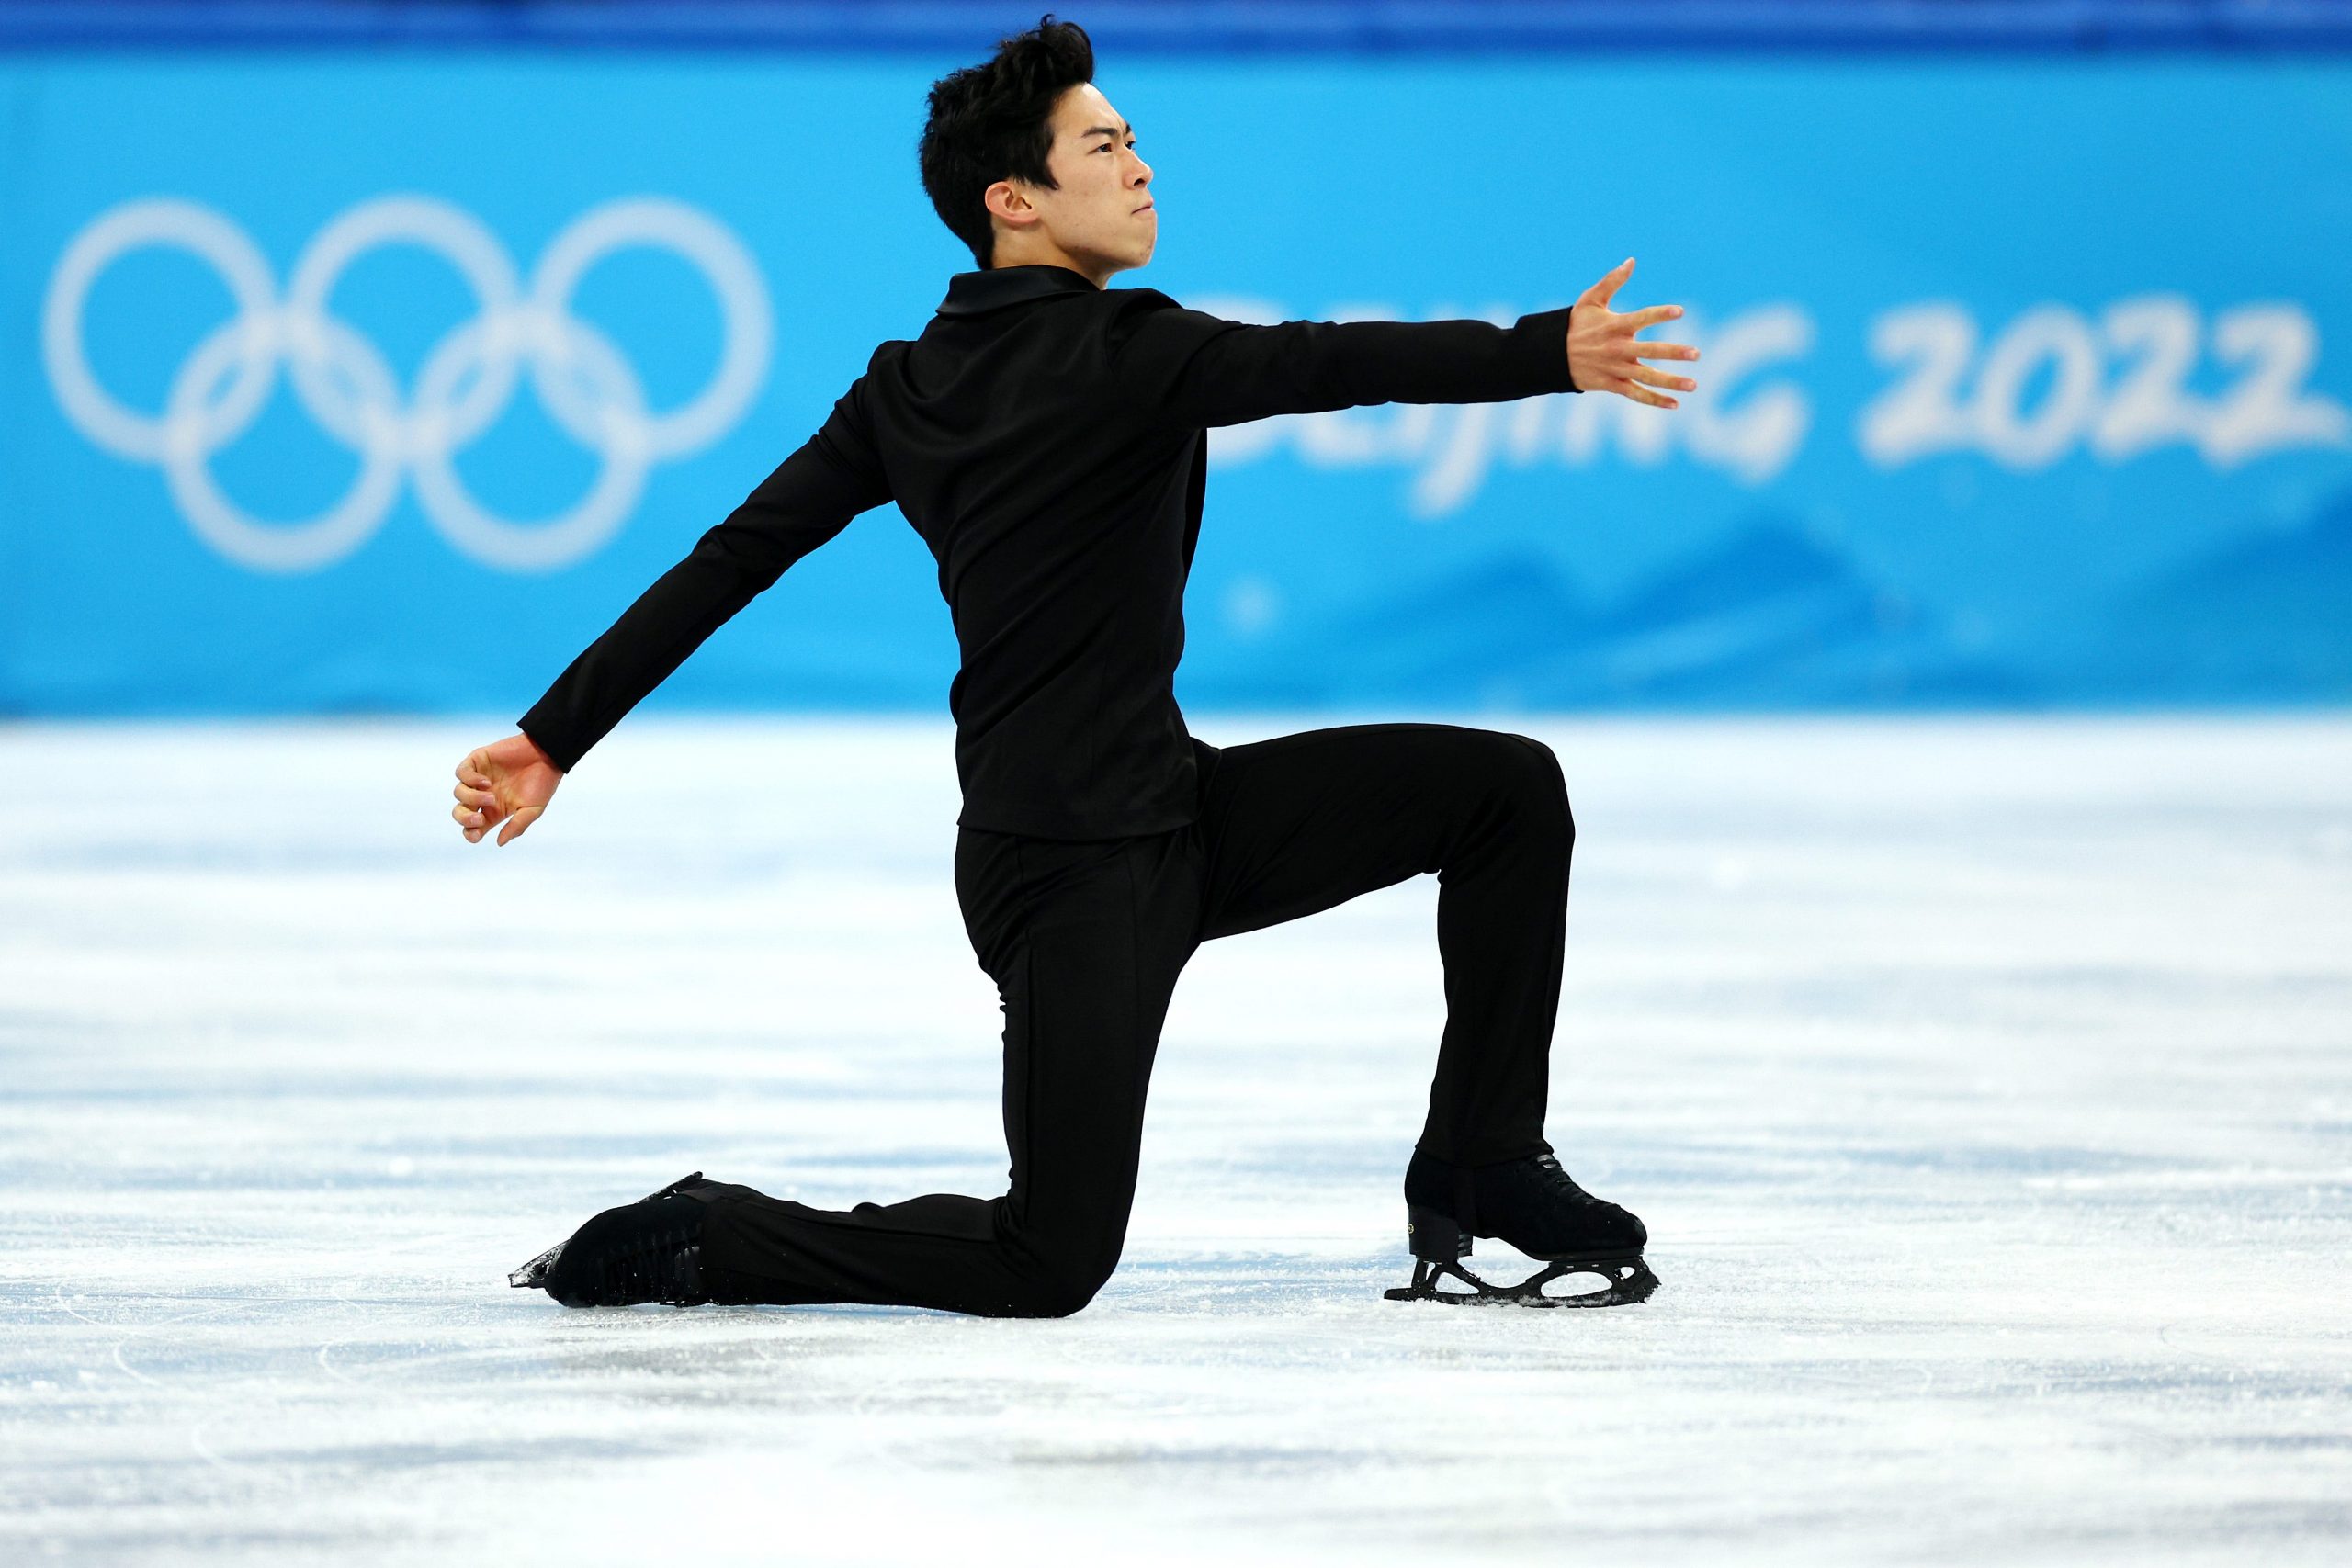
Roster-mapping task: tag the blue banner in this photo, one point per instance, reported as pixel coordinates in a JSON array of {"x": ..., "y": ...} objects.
[{"x": 339, "y": 383}]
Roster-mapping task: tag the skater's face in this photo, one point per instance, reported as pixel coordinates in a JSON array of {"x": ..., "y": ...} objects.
[{"x": 1101, "y": 220}]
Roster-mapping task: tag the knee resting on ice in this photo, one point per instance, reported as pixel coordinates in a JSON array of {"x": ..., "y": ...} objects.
[{"x": 1062, "y": 1288}]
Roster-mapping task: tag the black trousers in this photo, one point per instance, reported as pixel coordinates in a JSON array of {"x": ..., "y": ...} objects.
[{"x": 1085, "y": 940}]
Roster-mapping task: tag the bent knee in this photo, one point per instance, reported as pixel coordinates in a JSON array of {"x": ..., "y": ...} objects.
[
  {"x": 1536, "y": 776},
  {"x": 1063, "y": 1290}
]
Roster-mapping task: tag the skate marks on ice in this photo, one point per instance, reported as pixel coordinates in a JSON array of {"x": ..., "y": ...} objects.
[{"x": 1984, "y": 1086}]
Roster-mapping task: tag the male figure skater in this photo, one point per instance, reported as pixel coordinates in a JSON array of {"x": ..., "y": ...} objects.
[{"x": 1047, "y": 437}]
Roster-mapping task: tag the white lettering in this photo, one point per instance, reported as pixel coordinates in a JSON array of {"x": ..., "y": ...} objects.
[{"x": 2119, "y": 389}]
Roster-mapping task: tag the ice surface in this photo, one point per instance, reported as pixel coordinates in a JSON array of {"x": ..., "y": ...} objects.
[{"x": 1987, "y": 1086}]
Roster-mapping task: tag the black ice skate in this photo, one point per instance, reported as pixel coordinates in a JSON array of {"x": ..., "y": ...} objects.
[
  {"x": 647, "y": 1251},
  {"x": 1531, "y": 1204}
]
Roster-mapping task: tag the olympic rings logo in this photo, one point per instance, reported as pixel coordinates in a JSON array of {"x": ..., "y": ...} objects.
[{"x": 588, "y": 387}]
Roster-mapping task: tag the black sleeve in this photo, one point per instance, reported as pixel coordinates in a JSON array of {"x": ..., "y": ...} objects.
[
  {"x": 1201, "y": 369},
  {"x": 810, "y": 497}
]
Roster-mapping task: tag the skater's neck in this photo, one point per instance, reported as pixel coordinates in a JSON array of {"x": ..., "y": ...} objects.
[{"x": 1033, "y": 249}]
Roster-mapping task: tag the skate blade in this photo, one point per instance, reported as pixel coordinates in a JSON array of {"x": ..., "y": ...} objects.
[
  {"x": 533, "y": 1276},
  {"x": 1630, "y": 1283}
]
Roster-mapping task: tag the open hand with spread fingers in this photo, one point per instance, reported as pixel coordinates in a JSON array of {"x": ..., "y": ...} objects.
[
  {"x": 1605, "y": 357},
  {"x": 509, "y": 781}
]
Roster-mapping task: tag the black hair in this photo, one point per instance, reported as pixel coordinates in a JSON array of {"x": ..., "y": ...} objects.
[{"x": 991, "y": 123}]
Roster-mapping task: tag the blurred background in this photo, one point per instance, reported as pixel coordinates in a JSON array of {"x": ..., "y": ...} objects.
[
  {"x": 370, "y": 357},
  {"x": 1951, "y": 692}
]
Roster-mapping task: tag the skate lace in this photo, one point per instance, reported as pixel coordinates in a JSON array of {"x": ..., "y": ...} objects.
[{"x": 1549, "y": 1175}]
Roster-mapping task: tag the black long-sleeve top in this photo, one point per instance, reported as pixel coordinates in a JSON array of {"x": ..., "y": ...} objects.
[{"x": 1046, "y": 439}]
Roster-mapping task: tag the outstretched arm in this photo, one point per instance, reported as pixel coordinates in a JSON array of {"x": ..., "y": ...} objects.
[
  {"x": 1203, "y": 369},
  {"x": 809, "y": 497}
]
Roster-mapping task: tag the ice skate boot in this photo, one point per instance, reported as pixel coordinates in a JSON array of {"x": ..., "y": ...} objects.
[
  {"x": 1533, "y": 1205},
  {"x": 647, "y": 1251}
]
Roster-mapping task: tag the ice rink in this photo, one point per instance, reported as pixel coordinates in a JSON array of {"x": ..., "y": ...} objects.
[{"x": 1986, "y": 1084}]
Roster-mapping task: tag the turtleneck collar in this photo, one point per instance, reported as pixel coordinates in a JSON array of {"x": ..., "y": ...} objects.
[{"x": 968, "y": 293}]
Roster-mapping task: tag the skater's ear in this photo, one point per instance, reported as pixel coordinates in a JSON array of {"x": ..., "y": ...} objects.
[{"x": 1011, "y": 206}]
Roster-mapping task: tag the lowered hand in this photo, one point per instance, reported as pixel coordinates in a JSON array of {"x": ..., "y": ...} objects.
[{"x": 510, "y": 782}]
